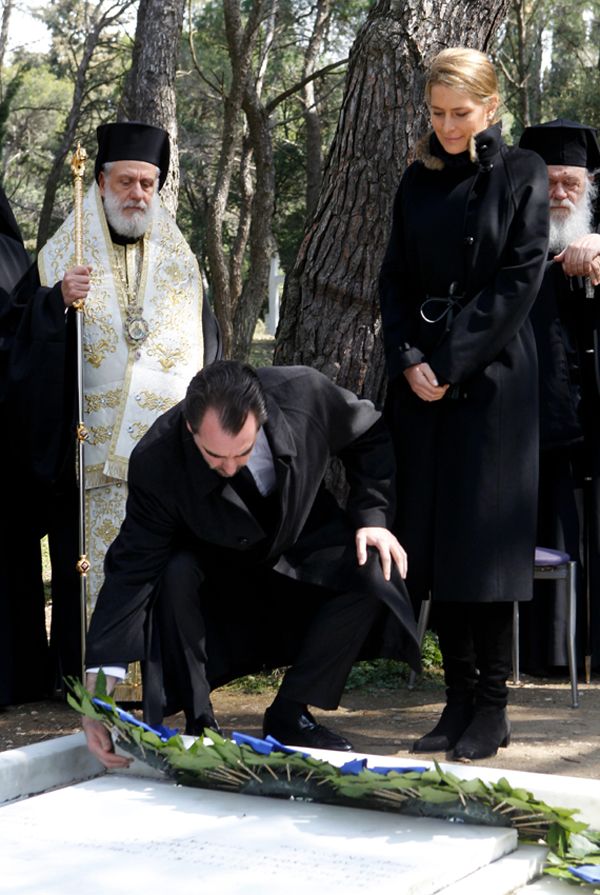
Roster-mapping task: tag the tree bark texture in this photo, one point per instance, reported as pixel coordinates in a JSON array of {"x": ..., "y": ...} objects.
[
  {"x": 330, "y": 318},
  {"x": 260, "y": 241},
  {"x": 246, "y": 196},
  {"x": 149, "y": 92}
]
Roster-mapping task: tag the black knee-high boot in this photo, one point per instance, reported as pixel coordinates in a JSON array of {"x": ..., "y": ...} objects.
[
  {"x": 490, "y": 727},
  {"x": 460, "y": 675}
]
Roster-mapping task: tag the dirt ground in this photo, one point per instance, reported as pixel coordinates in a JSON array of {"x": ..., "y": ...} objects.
[{"x": 548, "y": 735}]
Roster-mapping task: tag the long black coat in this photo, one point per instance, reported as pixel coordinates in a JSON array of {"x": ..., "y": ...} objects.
[
  {"x": 467, "y": 465},
  {"x": 566, "y": 324},
  {"x": 23, "y": 644},
  {"x": 176, "y": 499}
]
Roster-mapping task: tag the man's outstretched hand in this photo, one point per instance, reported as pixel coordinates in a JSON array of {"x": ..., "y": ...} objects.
[
  {"x": 100, "y": 744},
  {"x": 99, "y": 741},
  {"x": 389, "y": 547}
]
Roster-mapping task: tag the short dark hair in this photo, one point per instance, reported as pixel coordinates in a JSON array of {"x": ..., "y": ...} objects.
[{"x": 230, "y": 388}]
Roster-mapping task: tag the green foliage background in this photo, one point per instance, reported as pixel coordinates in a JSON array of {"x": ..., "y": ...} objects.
[
  {"x": 548, "y": 57},
  {"x": 558, "y": 70}
]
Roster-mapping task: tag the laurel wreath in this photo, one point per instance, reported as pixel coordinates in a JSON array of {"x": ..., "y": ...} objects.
[{"x": 250, "y": 766}]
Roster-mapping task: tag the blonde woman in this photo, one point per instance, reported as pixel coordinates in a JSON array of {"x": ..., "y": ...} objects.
[{"x": 462, "y": 269}]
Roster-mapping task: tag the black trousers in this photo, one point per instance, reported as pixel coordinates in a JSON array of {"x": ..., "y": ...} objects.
[{"x": 211, "y": 627}]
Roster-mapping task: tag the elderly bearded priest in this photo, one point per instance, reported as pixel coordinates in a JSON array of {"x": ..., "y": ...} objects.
[
  {"x": 147, "y": 331},
  {"x": 566, "y": 321}
]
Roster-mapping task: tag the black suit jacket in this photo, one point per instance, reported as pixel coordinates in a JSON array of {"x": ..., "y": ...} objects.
[{"x": 176, "y": 499}]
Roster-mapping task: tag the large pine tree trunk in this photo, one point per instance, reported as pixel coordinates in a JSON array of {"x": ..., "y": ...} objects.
[
  {"x": 149, "y": 93},
  {"x": 330, "y": 316}
]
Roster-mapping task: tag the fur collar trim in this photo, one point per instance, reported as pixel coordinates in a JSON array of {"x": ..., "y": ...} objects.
[
  {"x": 423, "y": 154},
  {"x": 481, "y": 147}
]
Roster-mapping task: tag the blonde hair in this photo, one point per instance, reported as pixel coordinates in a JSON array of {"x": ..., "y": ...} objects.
[{"x": 466, "y": 70}]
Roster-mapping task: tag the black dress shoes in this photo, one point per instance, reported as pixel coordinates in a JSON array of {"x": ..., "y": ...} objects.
[
  {"x": 196, "y": 726},
  {"x": 302, "y": 730}
]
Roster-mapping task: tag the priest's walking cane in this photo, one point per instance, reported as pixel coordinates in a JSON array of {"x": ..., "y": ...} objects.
[{"x": 83, "y": 565}]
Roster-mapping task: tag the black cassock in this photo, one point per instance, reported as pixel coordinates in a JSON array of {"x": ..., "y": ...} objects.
[
  {"x": 176, "y": 501},
  {"x": 43, "y": 401},
  {"x": 23, "y": 643},
  {"x": 566, "y": 323}
]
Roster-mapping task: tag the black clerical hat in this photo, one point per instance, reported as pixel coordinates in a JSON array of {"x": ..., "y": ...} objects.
[
  {"x": 563, "y": 142},
  {"x": 132, "y": 140}
]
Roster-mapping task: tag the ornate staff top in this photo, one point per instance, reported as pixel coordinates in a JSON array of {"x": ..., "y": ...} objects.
[
  {"x": 78, "y": 162},
  {"x": 78, "y": 170}
]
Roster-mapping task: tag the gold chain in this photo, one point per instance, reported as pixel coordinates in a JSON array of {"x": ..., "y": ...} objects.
[
  {"x": 131, "y": 291},
  {"x": 136, "y": 327}
]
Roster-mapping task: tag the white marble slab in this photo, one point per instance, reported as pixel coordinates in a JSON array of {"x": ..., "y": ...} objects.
[
  {"x": 123, "y": 835},
  {"x": 42, "y": 766},
  {"x": 508, "y": 875}
]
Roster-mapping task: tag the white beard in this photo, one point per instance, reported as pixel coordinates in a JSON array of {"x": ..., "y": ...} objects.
[
  {"x": 131, "y": 226},
  {"x": 566, "y": 228}
]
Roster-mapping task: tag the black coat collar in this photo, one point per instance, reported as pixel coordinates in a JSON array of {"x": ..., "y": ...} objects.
[
  {"x": 278, "y": 431},
  {"x": 486, "y": 146}
]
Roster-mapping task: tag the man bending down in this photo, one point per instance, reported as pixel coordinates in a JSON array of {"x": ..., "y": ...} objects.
[{"x": 234, "y": 556}]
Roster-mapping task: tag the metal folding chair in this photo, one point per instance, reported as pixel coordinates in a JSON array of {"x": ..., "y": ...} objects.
[{"x": 553, "y": 565}]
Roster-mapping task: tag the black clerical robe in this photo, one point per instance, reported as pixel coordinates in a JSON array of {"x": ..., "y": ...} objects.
[{"x": 566, "y": 323}]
